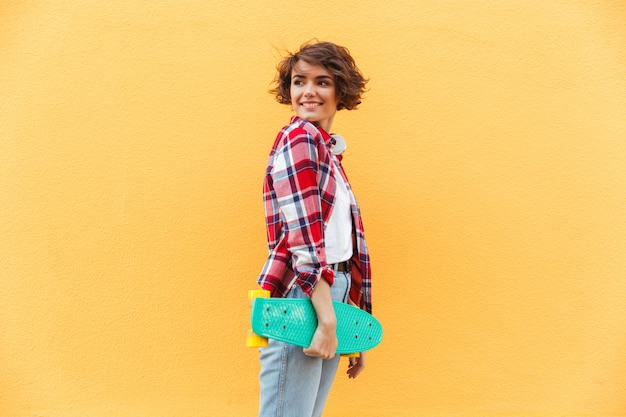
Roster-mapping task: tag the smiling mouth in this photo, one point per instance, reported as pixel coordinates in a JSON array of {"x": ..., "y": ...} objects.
[{"x": 310, "y": 105}]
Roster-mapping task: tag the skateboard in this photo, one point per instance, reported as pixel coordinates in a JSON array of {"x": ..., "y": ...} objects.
[{"x": 293, "y": 320}]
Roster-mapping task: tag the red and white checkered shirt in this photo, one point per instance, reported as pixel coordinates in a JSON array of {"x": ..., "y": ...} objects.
[{"x": 299, "y": 192}]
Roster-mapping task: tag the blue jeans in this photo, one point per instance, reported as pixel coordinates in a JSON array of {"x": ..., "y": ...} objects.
[{"x": 293, "y": 384}]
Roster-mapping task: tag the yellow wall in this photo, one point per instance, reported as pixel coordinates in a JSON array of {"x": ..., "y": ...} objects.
[{"x": 489, "y": 158}]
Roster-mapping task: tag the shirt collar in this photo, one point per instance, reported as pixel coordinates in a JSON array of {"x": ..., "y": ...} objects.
[{"x": 328, "y": 140}]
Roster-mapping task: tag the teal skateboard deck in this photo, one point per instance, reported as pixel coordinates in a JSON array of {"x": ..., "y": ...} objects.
[{"x": 293, "y": 320}]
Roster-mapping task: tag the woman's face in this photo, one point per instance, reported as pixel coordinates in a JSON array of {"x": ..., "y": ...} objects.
[{"x": 313, "y": 94}]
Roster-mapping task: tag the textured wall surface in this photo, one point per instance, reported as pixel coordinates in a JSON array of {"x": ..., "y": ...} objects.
[{"x": 489, "y": 157}]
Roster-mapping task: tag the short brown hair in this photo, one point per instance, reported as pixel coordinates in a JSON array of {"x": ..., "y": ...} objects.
[{"x": 349, "y": 82}]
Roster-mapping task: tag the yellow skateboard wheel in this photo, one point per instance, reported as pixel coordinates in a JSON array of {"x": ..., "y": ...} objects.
[
  {"x": 252, "y": 294},
  {"x": 254, "y": 340}
]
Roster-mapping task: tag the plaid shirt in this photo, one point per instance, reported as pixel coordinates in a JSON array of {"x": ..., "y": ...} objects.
[{"x": 299, "y": 192}]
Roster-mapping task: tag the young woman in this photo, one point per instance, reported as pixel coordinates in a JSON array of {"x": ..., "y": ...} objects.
[{"x": 315, "y": 234}]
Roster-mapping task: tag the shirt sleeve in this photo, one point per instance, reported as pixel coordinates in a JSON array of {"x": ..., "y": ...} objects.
[{"x": 295, "y": 180}]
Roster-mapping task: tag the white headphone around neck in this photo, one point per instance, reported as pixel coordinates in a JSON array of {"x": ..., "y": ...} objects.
[{"x": 339, "y": 146}]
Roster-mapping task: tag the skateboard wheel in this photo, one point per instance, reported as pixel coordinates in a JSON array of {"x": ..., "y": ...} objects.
[
  {"x": 351, "y": 355},
  {"x": 252, "y": 294},
  {"x": 254, "y": 340}
]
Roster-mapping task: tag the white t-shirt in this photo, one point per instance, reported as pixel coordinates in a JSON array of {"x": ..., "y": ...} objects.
[{"x": 338, "y": 233}]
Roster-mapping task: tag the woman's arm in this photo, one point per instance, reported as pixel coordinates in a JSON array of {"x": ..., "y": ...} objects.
[
  {"x": 299, "y": 199},
  {"x": 324, "y": 342},
  {"x": 299, "y": 195}
]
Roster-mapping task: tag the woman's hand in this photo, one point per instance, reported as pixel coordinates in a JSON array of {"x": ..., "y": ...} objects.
[
  {"x": 324, "y": 342},
  {"x": 356, "y": 366}
]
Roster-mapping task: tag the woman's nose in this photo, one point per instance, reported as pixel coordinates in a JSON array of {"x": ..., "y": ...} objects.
[{"x": 309, "y": 90}]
